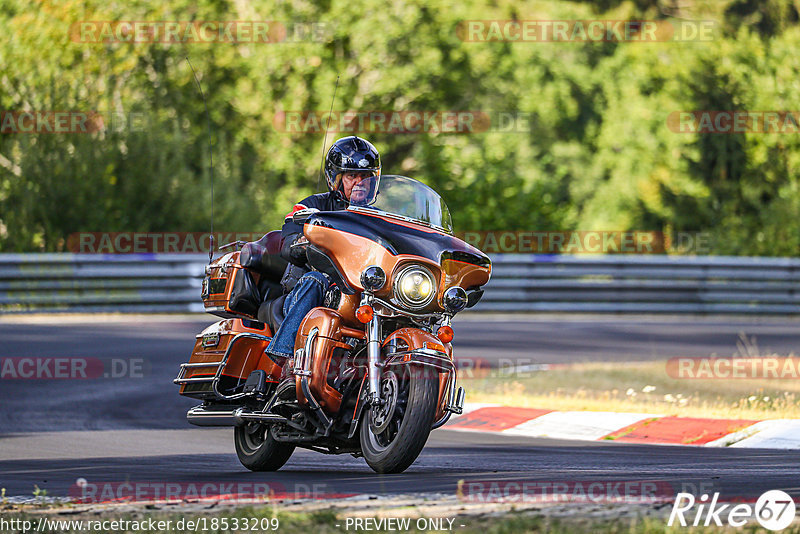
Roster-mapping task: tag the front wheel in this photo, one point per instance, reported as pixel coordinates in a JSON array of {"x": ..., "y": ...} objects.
[
  {"x": 394, "y": 433},
  {"x": 258, "y": 450}
]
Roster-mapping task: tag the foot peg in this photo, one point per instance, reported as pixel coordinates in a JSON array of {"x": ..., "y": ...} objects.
[{"x": 458, "y": 406}]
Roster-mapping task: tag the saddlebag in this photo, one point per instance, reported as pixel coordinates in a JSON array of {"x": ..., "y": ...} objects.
[
  {"x": 229, "y": 290},
  {"x": 238, "y": 282},
  {"x": 223, "y": 357}
]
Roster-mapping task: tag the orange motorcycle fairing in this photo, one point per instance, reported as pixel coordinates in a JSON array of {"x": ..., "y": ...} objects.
[
  {"x": 462, "y": 274},
  {"x": 352, "y": 253},
  {"x": 410, "y": 339},
  {"x": 246, "y": 356},
  {"x": 347, "y": 309},
  {"x": 330, "y": 332}
]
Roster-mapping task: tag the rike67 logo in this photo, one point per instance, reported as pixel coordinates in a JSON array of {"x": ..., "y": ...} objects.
[{"x": 774, "y": 510}]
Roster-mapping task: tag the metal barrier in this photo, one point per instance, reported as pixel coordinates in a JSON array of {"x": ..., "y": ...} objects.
[
  {"x": 150, "y": 283},
  {"x": 643, "y": 284},
  {"x": 145, "y": 283}
]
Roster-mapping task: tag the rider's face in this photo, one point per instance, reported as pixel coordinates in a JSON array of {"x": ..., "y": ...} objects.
[{"x": 355, "y": 185}]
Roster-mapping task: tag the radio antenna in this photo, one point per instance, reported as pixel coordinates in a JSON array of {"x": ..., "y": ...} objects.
[
  {"x": 325, "y": 138},
  {"x": 211, "y": 159}
]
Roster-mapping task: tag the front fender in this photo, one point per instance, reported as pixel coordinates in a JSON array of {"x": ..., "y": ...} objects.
[
  {"x": 422, "y": 348},
  {"x": 414, "y": 338}
]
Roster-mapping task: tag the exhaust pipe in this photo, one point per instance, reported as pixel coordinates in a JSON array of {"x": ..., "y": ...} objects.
[{"x": 203, "y": 416}]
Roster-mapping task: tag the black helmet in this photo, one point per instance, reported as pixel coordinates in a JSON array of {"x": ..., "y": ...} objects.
[{"x": 350, "y": 154}]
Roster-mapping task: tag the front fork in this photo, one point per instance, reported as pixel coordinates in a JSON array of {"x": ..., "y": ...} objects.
[{"x": 374, "y": 360}]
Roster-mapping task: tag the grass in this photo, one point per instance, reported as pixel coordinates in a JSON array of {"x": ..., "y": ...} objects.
[{"x": 643, "y": 387}]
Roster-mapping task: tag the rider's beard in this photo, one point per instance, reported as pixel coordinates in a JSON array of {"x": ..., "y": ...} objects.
[{"x": 358, "y": 194}]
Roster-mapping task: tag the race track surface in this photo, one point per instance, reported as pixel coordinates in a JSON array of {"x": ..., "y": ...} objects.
[
  {"x": 116, "y": 429},
  {"x": 206, "y": 456}
]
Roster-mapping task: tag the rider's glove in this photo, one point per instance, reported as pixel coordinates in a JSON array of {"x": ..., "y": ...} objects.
[{"x": 298, "y": 250}]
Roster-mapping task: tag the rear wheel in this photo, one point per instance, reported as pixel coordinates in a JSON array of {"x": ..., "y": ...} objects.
[
  {"x": 394, "y": 433},
  {"x": 258, "y": 450}
]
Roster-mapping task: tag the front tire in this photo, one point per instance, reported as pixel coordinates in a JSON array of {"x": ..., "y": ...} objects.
[
  {"x": 400, "y": 439},
  {"x": 258, "y": 450}
]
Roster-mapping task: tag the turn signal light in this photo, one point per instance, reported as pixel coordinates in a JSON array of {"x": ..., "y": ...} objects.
[
  {"x": 445, "y": 333},
  {"x": 364, "y": 313}
]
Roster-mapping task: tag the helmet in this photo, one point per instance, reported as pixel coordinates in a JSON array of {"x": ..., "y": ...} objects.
[{"x": 350, "y": 154}]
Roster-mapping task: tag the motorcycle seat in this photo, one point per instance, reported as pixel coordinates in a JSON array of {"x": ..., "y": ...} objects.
[
  {"x": 264, "y": 256},
  {"x": 271, "y": 312}
]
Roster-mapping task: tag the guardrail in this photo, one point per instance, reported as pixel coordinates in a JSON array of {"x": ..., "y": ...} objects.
[
  {"x": 643, "y": 284},
  {"x": 145, "y": 283},
  {"x": 150, "y": 283}
]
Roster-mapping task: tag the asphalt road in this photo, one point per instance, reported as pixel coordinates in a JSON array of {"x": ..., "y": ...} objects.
[
  {"x": 56, "y": 461},
  {"x": 152, "y": 351},
  {"x": 133, "y": 428}
]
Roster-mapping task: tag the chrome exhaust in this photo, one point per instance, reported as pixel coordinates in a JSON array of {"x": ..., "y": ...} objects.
[
  {"x": 203, "y": 416},
  {"x": 200, "y": 416},
  {"x": 243, "y": 415}
]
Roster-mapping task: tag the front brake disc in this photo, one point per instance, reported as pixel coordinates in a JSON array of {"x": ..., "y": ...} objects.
[{"x": 381, "y": 415}]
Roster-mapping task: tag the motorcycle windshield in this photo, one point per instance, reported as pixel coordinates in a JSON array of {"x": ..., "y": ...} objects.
[{"x": 402, "y": 197}]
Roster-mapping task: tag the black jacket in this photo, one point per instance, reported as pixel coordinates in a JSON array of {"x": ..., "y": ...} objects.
[{"x": 292, "y": 231}]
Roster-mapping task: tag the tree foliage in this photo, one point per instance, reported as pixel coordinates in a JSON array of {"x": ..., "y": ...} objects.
[{"x": 597, "y": 154}]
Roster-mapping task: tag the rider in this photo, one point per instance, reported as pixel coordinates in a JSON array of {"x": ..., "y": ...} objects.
[{"x": 348, "y": 165}]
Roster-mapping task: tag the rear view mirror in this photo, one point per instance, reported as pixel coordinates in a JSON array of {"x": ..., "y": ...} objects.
[{"x": 473, "y": 297}]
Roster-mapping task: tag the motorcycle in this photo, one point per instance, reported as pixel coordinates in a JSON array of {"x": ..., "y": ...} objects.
[{"x": 372, "y": 372}]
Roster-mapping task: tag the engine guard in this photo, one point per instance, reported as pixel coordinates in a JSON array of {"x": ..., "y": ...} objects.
[
  {"x": 426, "y": 357},
  {"x": 453, "y": 398}
]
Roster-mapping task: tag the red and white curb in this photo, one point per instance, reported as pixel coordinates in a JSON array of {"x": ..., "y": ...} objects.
[{"x": 628, "y": 427}]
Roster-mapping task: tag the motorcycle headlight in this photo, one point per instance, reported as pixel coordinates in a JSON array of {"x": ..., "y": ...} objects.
[{"x": 415, "y": 287}]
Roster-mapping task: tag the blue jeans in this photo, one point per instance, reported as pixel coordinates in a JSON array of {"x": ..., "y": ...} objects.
[{"x": 308, "y": 293}]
